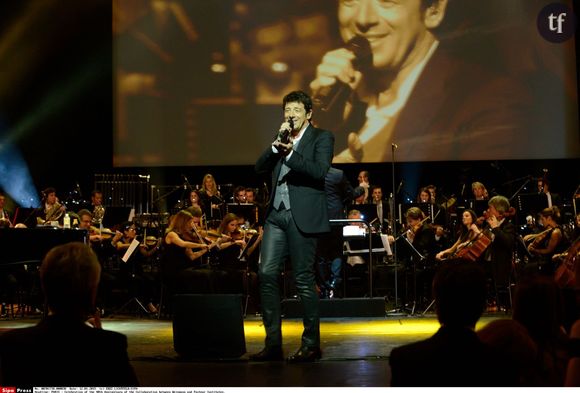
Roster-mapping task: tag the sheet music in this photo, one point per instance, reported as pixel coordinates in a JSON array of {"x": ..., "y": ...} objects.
[{"x": 132, "y": 247}]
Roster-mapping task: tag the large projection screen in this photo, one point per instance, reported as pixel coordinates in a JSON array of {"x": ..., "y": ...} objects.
[{"x": 200, "y": 82}]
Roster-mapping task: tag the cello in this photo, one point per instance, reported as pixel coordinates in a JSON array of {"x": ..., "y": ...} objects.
[{"x": 473, "y": 250}]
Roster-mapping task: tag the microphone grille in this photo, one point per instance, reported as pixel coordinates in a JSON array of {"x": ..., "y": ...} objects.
[{"x": 363, "y": 53}]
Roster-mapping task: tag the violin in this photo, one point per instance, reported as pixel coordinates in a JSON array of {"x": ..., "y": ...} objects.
[{"x": 486, "y": 215}]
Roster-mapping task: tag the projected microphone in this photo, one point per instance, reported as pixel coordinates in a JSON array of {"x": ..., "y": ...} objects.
[{"x": 328, "y": 96}]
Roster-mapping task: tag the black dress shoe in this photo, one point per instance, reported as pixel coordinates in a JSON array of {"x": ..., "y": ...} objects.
[
  {"x": 305, "y": 355},
  {"x": 268, "y": 354}
]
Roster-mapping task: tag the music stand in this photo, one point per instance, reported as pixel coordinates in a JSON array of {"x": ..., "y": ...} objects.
[
  {"x": 368, "y": 211},
  {"x": 351, "y": 221},
  {"x": 421, "y": 257},
  {"x": 478, "y": 206},
  {"x": 531, "y": 204}
]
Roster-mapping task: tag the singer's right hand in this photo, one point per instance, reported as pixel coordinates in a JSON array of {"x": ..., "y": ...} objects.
[{"x": 336, "y": 66}]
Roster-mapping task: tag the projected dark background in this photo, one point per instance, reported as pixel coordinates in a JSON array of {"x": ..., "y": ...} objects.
[{"x": 199, "y": 82}]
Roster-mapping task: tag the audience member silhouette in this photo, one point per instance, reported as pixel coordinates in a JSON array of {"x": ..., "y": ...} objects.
[
  {"x": 454, "y": 356},
  {"x": 538, "y": 306},
  {"x": 511, "y": 339},
  {"x": 47, "y": 354}
]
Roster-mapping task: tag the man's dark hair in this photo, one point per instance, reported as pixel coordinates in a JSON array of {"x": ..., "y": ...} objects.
[
  {"x": 459, "y": 289},
  {"x": 298, "y": 96}
]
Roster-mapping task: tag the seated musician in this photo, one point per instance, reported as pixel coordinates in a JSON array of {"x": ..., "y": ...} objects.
[
  {"x": 419, "y": 254},
  {"x": 382, "y": 207},
  {"x": 231, "y": 268},
  {"x": 240, "y": 195},
  {"x": 498, "y": 255},
  {"x": 195, "y": 199},
  {"x": 182, "y": 267},
  {"x": 51, "y": 209},
  {"x": 424, "y": 196},
  {"x": 131, "y": 275},
  {"x": 4, "y": 215},
  {"x": 479, "y": 191},
  {"x": 545, "y": 244},
  {"x": 104, "y": 250},
  {"x": 97, "y": 208},
  {"x": 468, "y": 232}
]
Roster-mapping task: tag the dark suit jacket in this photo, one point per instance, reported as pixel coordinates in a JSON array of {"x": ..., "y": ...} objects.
[
  {"x": 308, "y": 165},
  {"x": 338, "y": 192},
  {"x": 60, "y": 352},
  {"x": 500, "y": 252},
  {"x": 454, "y": 356},
  {"x": 455, "y": 111}
]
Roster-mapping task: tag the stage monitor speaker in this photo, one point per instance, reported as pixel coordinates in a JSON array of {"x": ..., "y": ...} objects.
[{"x": 208, "y": 326}]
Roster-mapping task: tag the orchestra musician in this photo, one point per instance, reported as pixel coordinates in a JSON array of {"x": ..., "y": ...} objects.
[
  {"x": 468, "y": 232},
  {"x": 51, "y": 209},
  {"x": 545, "y": 244},
  {"x": 229, "y": 267},
  {"x": 5, "y": 220},
  {"x": 103, "y": 250},
  {"x": 424, "y": 195},
  {"x": 498, "y": 255},
  {"x": 211, "y": 198},
  {"x": 479, "y": 191},
  {"x": 382, "y": 207},
  {"x": 131, "y": 275},
  {"x": 182, "y": 267},
  {"x": 195, "y": 199},
  {"x": 97, "y": 208},
  {"x": 421, "y": 235}
]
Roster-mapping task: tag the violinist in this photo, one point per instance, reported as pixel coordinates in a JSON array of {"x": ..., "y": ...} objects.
[
  {"x": 230, "y": 269},
  {"x": 545, "y": 244},
  {"x": 498, "y": 256},
  {"x": 468, "y": 232},
  {"x": 419, "y": 232},
  {"x": 131, "y": 274},
  {"x": 104, "y": 251},
  {"x": 182, "y": 270},
  {"x": 420, "y": 253}
]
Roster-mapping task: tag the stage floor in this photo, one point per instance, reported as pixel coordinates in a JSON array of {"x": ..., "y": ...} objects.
[{"x": 355, "y": 352}]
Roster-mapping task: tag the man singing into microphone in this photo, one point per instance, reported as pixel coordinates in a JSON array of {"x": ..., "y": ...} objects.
[
  {"x": 296, "y": 215},
  {"x": 413, "y": 90}
]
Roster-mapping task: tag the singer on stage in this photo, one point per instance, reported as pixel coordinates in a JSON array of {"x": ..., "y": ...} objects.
[{"x": 298, "y": 161}]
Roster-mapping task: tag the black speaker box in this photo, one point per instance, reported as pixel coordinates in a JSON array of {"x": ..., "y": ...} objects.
[
  {"x": 348, "y": 307},
  {"x": 208, "y": 326}
]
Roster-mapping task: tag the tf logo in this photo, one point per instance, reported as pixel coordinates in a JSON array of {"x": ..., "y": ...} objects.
[{"x": 556, "y": 23}]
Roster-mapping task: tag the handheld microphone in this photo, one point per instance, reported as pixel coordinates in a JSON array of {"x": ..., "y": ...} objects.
[
  {"x": 284, "y": 135},
  {"x": 328, "y": 96}
]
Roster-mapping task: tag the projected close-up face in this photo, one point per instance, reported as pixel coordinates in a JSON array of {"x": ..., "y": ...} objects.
[
  {"x": 395, "y": 29},
  {"x": 451, "y": 80}
]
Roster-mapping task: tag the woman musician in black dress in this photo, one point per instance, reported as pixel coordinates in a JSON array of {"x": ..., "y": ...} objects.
[
  {"x": 228, "y": 265},
  {"x": 542, "y": 246},
  {"x": 181, "y": 266},
  {"x": 468, "y": 232}
]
